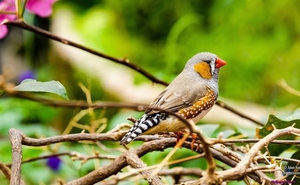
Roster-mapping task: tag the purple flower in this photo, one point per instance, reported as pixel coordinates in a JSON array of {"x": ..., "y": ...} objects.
[
  {"x": 26, "y": 75},
  {"x": 42, "y": 8},
  {"x": 54, "y": 163}
]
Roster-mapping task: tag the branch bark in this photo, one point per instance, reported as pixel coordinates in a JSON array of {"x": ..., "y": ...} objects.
[
  {"x": 47, "y": 34},
  {"x": 5, "y": 170},
  {"x": 117, "y": 165},
  {"x": 241, "y": 168},
  {"x": 133, "y": 160},
  {"x": 16, "y": 143}
]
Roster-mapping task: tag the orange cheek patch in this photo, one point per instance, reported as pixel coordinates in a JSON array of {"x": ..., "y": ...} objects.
[{"x": 203, "y": 69}]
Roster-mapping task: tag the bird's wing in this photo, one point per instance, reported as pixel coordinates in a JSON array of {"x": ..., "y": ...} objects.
[{"x": 173, "y": 99}]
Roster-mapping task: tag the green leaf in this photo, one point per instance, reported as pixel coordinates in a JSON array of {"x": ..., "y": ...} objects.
[
  {"x": 53, "y": 87},
  {"x": 276, "y": 149}
]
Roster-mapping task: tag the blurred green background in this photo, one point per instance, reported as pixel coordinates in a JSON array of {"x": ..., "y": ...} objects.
[{"x": 260, "y": 40}]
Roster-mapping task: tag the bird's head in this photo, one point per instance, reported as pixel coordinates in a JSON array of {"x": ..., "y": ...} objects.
[{"x": 206, "y": 64}]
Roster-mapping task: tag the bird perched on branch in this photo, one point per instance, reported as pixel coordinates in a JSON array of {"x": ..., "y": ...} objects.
[{"x": 191, "y": 95}]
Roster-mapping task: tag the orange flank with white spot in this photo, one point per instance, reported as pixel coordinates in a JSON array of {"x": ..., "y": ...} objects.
[{"x": 198, "y": 108}]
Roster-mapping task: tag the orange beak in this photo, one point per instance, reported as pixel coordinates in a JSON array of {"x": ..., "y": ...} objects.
[{"x": 220, "y": 63}]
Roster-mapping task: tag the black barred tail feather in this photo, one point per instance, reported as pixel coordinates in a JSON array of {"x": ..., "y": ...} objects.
[{"x": 145, "y": 123}]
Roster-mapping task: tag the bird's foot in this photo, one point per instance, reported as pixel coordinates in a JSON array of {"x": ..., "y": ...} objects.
[
  {"x": 194, "y": 136},
  {"x": 179, "y": 135}
]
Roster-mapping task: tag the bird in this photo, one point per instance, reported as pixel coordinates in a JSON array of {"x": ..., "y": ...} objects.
[{"x": 191, "y": 95}]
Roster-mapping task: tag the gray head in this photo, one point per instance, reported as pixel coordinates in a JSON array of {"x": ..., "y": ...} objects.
[{"x": 206, "y": 64}]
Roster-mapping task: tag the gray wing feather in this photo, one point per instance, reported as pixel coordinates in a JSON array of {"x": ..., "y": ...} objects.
[{"x": 173, "y": 98}]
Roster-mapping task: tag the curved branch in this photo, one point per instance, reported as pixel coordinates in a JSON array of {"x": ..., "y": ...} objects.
[
  {"x": 117, "y": 165},
  {"x": 5, "y": 170},
  {"x": 242, "y": 166},
  {"x": 133, "y": 160},
  {"x": 74, "y": 155},
  {"x": 126, "y": 62},
  {"x": 225, "y": 106},
  {"x": 116, "y": 136},
  {"x": 155, "y": 144}
]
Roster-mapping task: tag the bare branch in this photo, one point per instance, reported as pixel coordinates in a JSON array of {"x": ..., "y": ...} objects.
[
  {"x": 218, "y": 140},
  {"x": 180, "y": 171},
  {"x": 16, "y": 143},
  {"x": 84, "y": 104},
  {"x": 6, "y": 171},
  {"x": 227, "y": 107},
  {"x": 125, "y": 62},
  {"x": 157, "y": 143},
  {"x": 75, "y": 156},
  {"x": 120, "y": 162},
  {"x": 241, "y": 168},
  {"x": 115, "y": 136},
  {"x": 134, "y": 161}
]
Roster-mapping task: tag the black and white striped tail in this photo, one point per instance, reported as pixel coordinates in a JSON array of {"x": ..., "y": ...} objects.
[{"x": 146, "y": 122}]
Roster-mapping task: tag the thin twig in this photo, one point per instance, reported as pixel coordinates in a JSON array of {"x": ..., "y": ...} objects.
[
  {"x": 78, "y": 104},
  {"x": 75, "y": 156},
  {"x": 134, "y": 161},
  {"x": 5, "y": 170},
  {"x": 241, "y": 167},
  {"x": 116, "y": 136},
  {"x": 116, "y": 166},
  {"x": 227, "y": 107},
  {"x": 180, "y": 171},
  {"x": 153, "y": 167},
  {"x": 219, "y": 140},
  {"x": 126, "y": 62}
]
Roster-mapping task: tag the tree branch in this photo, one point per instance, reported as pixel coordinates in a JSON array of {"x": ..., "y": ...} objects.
[
  {"x": 133, "y": 160},
  {"x": 240, "y": 169},
  {"x": 227, "y": 107},
  {"x": 5, "y": 170},
  {"x": 73, "y": 155},
  {"x": 47, "y": 34},
  {"x": 116, "y": 136},
  {"x": 16, "y": 143},
  {"x": 155, "y": 144}
]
